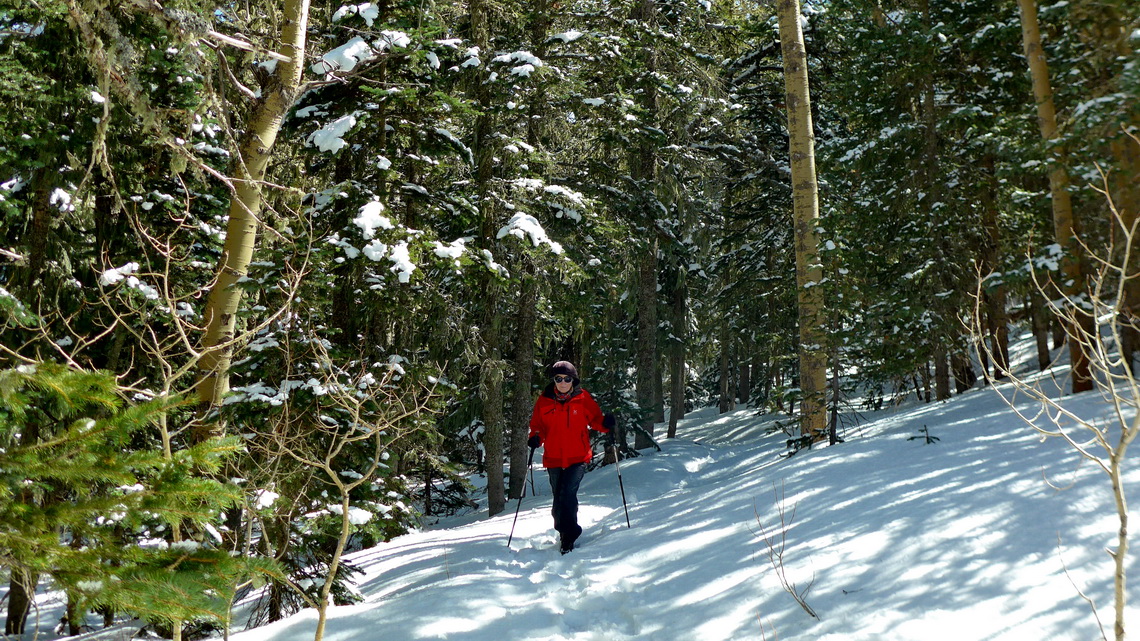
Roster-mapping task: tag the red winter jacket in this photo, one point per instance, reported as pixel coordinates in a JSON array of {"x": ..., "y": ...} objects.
[{"x": 564, "y": 426}]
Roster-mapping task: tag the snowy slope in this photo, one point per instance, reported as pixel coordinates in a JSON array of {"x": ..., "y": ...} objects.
[
  {"x": 965, "y": 538},
  {"x": 953, "y": 540}
]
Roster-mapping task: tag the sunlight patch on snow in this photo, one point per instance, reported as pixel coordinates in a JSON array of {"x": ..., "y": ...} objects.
[
  {"x": 719, "y": 586},
  {"x": 960, "y": 539},
  {"x": 443, "y": 626},
  {"x": 694, "y": 466}
]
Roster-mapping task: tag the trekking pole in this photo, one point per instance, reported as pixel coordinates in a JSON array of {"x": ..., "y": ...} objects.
[
  {"x": 621, "y": 485},
  {"x": 529, "y": 461},
  {"x": 531, "y": 469}
]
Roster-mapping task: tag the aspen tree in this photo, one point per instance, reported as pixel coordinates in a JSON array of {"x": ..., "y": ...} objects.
[
  {"x": 805, "y": 196},
  {"x": 1064, "y": 224},
  {"x": 254, "y": 154}
]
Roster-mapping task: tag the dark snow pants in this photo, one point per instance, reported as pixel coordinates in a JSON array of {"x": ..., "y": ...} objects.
[{"x": 564, "y": 482}]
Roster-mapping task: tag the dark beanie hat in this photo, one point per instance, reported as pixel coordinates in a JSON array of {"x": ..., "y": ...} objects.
[{"x": 565, "y": 368}]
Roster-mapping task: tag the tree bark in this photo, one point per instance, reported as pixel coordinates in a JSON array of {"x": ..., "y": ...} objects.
[
  {"x": 994, "y": 296},
  {"x": 744, "y": 371},
  {"x": 491, "y": 374},
  {"x": 346, "y": 309},
  {"x": 1126, "y": 199},
  {"x": 833, "y": 420},
  {"x": 21, "y": 591},
  {"x": 42, "y": 221},
  {"x": 677, "y": 365},
  {"x": 646, "y": 342},
  {"x": 1039, "y": 320},
  {"x": 941, "y": 375},
  {"x": 523, "y": 401},
  {"x": 254, "y": 154},
  {"x": 1065, "y": 228},
  {"x": 727, "y": 399},
  {"x": 644, "y": 172},
  {"x": 526, "y": 320},
  {"x": 805, "y": 195},
  {"x": 964, "y": 376},
  {"x": 1120, "y": 554}
]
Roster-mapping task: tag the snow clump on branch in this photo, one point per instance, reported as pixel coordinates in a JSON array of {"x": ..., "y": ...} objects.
[
  {"x": 344, "y": 57},
  {"x": 372, "y": 218},
  {"x": 331, "y": 137},
  {"x": 368, "y": 10},
  {"x": 524, "y": 225},
  {"x": 528, "y": 62}
]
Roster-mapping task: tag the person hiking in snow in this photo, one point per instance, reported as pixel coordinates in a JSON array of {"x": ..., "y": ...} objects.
[{"x": 561, "y": 422}]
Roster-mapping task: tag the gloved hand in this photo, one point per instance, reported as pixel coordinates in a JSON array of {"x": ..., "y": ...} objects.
[
  {"x": 534, "y": 441},
  {"x": 608, "y": 421}
]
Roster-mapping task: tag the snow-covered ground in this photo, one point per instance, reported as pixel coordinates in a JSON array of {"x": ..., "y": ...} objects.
[{"x": 987, "y": 533}]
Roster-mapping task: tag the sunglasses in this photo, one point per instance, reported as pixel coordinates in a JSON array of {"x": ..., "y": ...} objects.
[{"x": 563, "y": 379}]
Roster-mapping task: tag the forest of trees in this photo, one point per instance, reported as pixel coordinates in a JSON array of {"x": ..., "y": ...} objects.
[{"x": 275, "y": 276}]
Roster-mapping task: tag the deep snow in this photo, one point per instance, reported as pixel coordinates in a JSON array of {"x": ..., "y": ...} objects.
[{"x": 965, "y": 538}]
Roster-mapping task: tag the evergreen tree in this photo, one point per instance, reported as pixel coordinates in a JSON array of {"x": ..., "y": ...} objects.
[{"x": 90, "y": 498}]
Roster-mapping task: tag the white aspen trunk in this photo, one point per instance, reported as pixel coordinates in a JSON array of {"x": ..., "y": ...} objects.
[
  {"x": 1064, "y": 225},
  {"x": 334, "y": 565},
  {"x": 254, "y": 153},
  {"x": 805, "y": 196}
]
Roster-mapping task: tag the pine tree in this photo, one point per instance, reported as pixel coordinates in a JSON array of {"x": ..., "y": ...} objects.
[{"x": 90, "y": 498}]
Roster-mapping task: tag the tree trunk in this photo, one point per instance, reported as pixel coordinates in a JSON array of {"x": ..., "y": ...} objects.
[
  {"x": 744, "y": 371},
  {"x": 726, "y": 396},
  {"x": 1127, "y": 201},
  {"x": 805, "y": 195},
  {"x": 346, "y": 310},
  {"x": 1120, "y": 554},
  {"x": 964, "y": 376},
  {"x": 994, "y": 295},
  {"x": 1108, "y": 33},
  {"x": 523, "y": 400},
  {"x": 647, "y": 342},
  {"x": 768, "y": 382},
  {"x": 676, "y": 392},
  {"x": 677, "y": 364},
  {"x": 323, "y": 601},
  {"x": 658, "y": 392},
  {"x": 1039, "y": 319},
  {"x": 491, "y": 373},
  {"x": 254, "y": 154},
  {"x": 644, "y": 172},
  {"x": 74, "y": 616},
  {"x": 777, "y": 383},
  {"x": 21, "y": 591},
  {"x": 1056, "y": 329},
  {"x": 941, "y": 375},
  {"x": 1064, "y": 224},
  {"x": 43, "y": 219},
  {"x": 833, "y": 422},
  {"x": 491, "y": 391}
]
